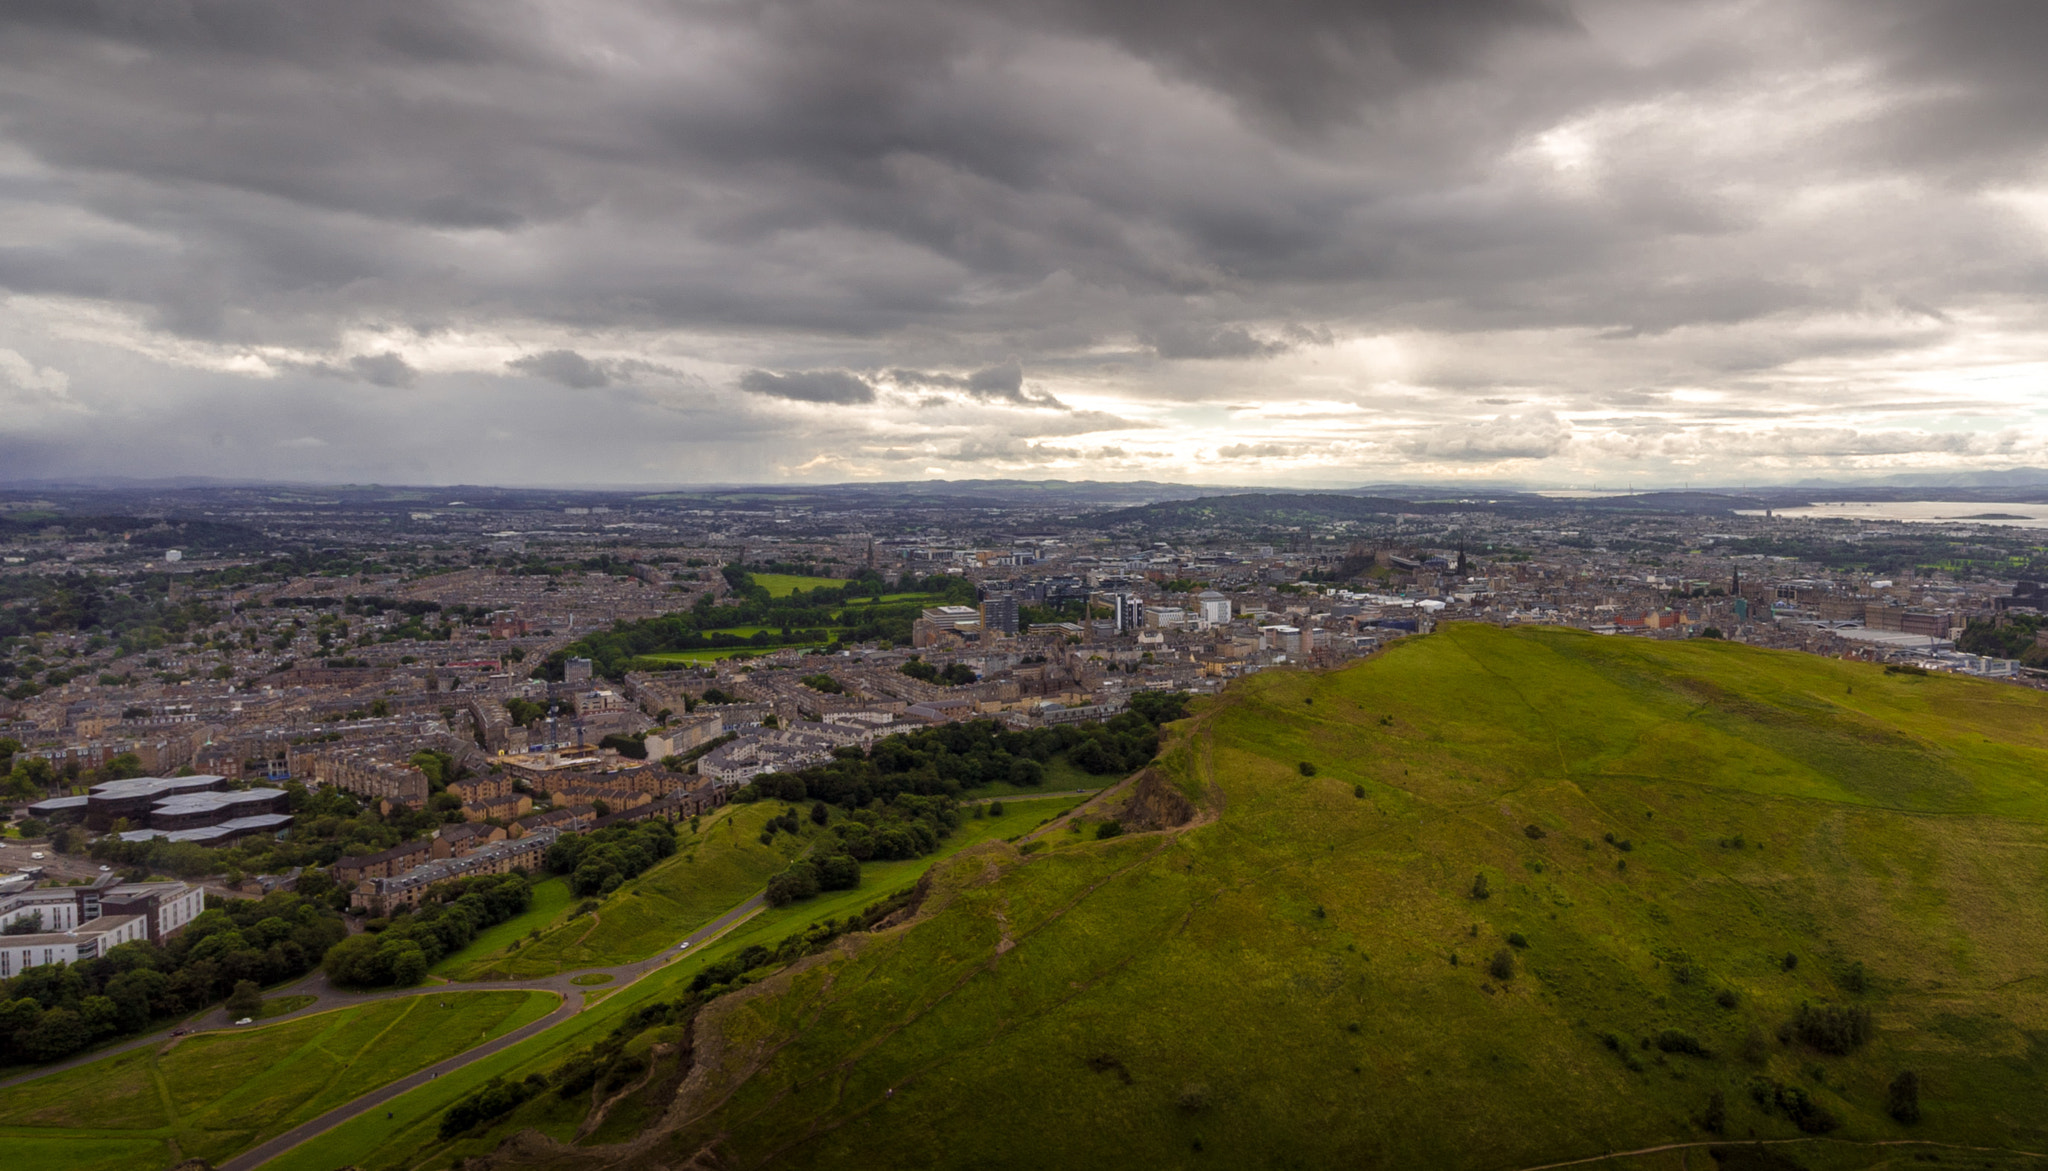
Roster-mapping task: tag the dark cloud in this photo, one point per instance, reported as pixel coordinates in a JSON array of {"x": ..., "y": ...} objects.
[
  {"x": 844, "y": 197},
  {"x": 1228, "y": 341},
  {"x": 385, "y": 369},
  {"x": 837, "y": 387},
  {"x": 567, "y": 367},
  {"x": 1313, "y": 62},
  {"x": 1004, "y": 383}
]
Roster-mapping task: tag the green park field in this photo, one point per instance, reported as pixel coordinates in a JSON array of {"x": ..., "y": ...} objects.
[
  {"x": 1682, "y": 844},
  {"x": 214, "y": 1094},
  {"x": 781, "y": 585}
]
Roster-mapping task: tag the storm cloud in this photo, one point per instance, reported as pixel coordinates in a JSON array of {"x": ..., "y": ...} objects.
[{"x": 1565, "y": 241}]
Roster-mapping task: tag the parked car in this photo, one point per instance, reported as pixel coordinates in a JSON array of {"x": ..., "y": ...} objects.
[
  {"x": 37, "y": 856},
  {"x": 105, "y": 869},
  {"x": 246, "y": 1021}
]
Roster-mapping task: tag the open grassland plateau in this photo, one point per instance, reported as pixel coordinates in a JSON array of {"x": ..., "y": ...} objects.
[
  {"x": 1540, "y": 896},
  {"x": 410, "y": 1138},
  {"x": 214, "y": 1094}
]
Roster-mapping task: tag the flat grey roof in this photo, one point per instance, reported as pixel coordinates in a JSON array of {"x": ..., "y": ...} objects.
[
  {"x": 203, "y": 802},
  {"x": 154, "y": 786},
  {"x": 261, "y": 823},
  {"x": 58, "y": 804}
]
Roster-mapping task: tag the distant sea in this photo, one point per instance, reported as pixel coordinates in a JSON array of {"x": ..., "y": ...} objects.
[{"x": 1979, "y": 512}]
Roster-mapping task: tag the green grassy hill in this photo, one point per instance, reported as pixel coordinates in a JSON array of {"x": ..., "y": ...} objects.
[{"x": 1681, "y": 844}]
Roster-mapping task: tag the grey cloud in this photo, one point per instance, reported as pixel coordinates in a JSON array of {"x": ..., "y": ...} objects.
[
  {"x": 386, "y": 369},
  {"x": 1229, "y": 341},
  {"x": 1534, "y": 435},
  {"x": 1003, "y": 383},
  {"x": 567, "y": 367},
  {"x": 1255, "y": 451},
  {"x": 810, "y": 386},
  {"x": 904, "y": 188}
]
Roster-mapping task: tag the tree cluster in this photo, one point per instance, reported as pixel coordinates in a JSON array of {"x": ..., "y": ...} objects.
[
  {"x": 54, "y": 1010},
  {"x": 598, "y": 861},
  {"x": 449, "y": 916}
]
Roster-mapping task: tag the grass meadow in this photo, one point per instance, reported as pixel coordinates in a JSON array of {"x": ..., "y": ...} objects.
[
  {"x": 550, "y": 903},
  {"x": 376, "y": 1144},
  {"x": 781, "y": 585},
  {"x": 1306, "y": 979},
  {"x": 715, "y": 868},
  {"x": 212, "y": 1095}
]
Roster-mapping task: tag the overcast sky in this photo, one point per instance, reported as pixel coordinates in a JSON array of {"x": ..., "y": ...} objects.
[{"x": 607, "y": 241}]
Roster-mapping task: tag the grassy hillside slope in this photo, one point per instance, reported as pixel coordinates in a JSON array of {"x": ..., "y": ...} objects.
[
  {"x": 1304, "y": 976},
  {"x": 715, "y": 867}
]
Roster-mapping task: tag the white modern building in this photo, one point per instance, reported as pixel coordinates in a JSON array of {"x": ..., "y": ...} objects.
[
  {"x": 19, "y": 953},
  {"x": 1212, "y": 608}
]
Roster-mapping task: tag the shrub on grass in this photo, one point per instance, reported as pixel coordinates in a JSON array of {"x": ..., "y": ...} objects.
[
  {"x": 1805, "y": 1113},
  {"x": 1534, "y": 832},
  {"x": 1754, "y": 1050},
  {"x": 1307, "y": 769},
  {"x": 1902, "y": 1100},
  {"x": 1479, "y": 889},
  {"x": 246, "y": 999},
  {"x": 1854, "y": 978},
  {"x": 995, "y": 809},
  {"x": 839, "y": 872},
  {"x": 1502, "y": 965},
  {"x": 1680, "y": 1041},
  {"x": 1108, "y": 829},
  {"x": 1726, "y": 998},
  {"x": 1790, "y": 961},
  {"x": 490, "y": 1101},
  {"x": 1517, "y": 939},
  {"x": 1831, "y": 1028},
  {"x": 1714, "y": 1119},
  {"x": 798, "y": 882},
  {"x": 1358, "y": 791}
]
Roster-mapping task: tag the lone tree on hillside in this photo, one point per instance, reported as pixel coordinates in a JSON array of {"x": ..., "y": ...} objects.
[
  {"x": 1902, "y": 1101},
  {"x": 1479, "y": 890},
  {"x": 1502, "y": 965}
]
